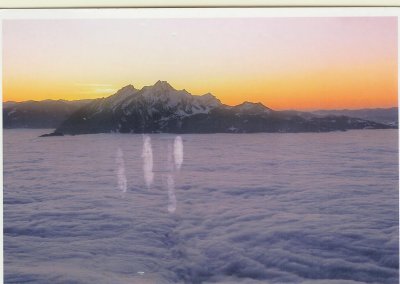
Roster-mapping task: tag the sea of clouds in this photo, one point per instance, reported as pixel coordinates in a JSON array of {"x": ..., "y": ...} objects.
[{"x": 222, "y": 208}]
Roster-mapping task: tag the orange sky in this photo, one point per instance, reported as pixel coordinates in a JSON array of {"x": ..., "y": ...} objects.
[{"x": 285, "y": 63}]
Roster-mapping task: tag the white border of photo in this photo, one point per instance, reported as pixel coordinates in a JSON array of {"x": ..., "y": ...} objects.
[{"x": 254, "y": 8}]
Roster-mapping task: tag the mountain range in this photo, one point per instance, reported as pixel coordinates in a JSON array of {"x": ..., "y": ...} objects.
[
  {"x": 382, "y": 115},
  {"x": 39, "y": 114},
  {"x": 162, "y": 109}
]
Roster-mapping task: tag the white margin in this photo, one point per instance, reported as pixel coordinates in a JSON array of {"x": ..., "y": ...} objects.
[
  {"x": 1, "y": 159},
  {"x": 190, "y": 3},
  {"x": 140, "y": 13},
  {"x": 131, "y": 13}
]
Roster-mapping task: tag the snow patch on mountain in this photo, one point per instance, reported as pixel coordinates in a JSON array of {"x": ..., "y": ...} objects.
[
  {"x": 158, "y": 98},
  {"x": 124, "y": 93}
]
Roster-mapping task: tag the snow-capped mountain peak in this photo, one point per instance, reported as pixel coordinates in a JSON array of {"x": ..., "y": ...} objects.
[
  {"x": 162, "y": 85},
  {"x": 163, "y": 93},
  {"x": 159, "y": 88},
  {"x": 127, "y": 92},
  {"x": 126, "y": 89},
  {"x": 160, "y": 99},
  {"x": 210, "y": 100}
]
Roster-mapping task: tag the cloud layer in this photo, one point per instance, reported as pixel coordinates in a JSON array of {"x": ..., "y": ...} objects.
[{"x": 258, "y": 208}]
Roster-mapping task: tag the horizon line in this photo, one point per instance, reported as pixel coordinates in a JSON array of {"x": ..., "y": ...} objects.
[
  {"x": 282, "y": 109},
  {"x": 184, "y": 89}
]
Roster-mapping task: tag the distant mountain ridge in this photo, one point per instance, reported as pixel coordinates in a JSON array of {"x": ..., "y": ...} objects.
[
  {"x": 382, "y": 115},
  {"x": 162, "y": 109},
  {"x": 38, "y": 114}
]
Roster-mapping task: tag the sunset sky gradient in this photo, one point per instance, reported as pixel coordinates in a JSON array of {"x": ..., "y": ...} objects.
[{"x": 285, "y": 63}]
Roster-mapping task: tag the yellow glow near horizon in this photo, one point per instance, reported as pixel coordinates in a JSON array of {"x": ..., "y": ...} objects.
[{"x": 285, "y": 63}]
